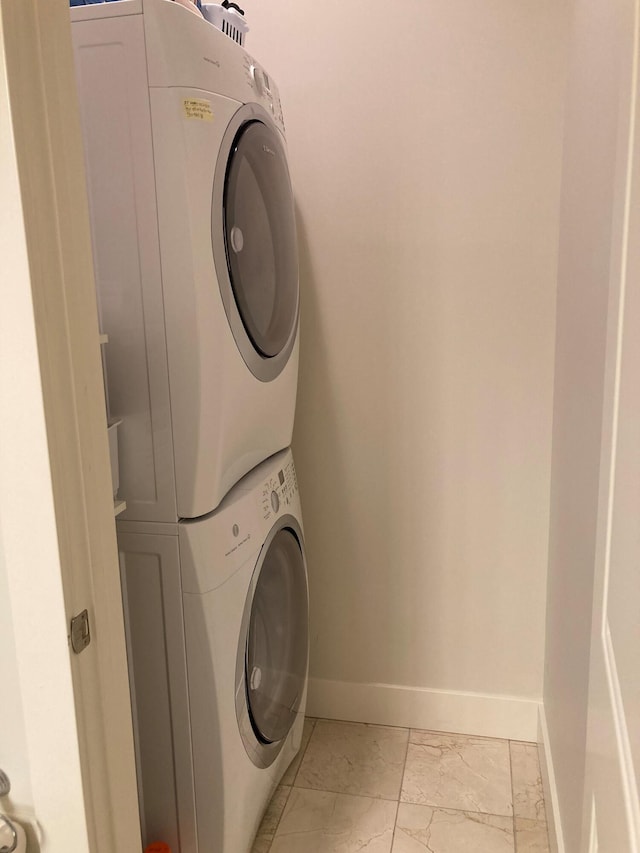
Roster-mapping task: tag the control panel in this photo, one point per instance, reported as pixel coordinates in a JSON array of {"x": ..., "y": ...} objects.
[
  {"x": 278, "y": 491},
  {"x": 265, "y": 89}
]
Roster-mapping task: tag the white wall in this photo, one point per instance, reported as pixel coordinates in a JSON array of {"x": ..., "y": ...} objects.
[{"x": 425, "y": 146}]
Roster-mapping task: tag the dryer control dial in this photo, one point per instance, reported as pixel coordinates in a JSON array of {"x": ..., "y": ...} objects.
[
  {"x": 275, "y": 501},
  {"x": 258, "y": 79}
]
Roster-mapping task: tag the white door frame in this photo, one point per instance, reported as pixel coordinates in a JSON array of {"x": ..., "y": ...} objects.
[
  {"x": 57, "y": 531},
  {"x": 611, "y": 807}
]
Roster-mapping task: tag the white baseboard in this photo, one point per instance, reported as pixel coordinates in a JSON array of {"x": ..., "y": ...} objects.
[
  {"x": 556, "y": 840},
  {"x": 420, "y": 708}
]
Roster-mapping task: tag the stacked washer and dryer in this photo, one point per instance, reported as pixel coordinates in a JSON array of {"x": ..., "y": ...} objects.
[{"x": 195, "y": 254}]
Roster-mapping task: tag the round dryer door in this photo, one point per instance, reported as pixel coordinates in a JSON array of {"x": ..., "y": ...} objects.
[
  {"x": 254, "y": 241},
  {"x": 272, "y": 660}
]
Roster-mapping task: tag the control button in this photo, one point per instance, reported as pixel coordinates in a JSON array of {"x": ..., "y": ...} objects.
[{"x": 275, "y": 501}]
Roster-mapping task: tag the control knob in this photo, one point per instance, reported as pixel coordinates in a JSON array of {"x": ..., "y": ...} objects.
[{"x": 258, "y": 78}]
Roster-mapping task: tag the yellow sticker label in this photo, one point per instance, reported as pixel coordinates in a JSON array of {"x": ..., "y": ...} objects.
[{"x": 198, "y": 108}]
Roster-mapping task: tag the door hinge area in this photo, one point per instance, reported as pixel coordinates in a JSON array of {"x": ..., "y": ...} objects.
[{"x": 80, "y": 632}]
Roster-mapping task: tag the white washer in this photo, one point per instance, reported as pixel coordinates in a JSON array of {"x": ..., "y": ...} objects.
[
  {"x": 195, "y": 253},
  {"x": 217, "y": 630}
]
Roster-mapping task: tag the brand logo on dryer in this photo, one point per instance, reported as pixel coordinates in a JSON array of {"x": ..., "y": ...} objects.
[
  {"x": 246, "y": 539},
  {"x": 268, "y": 150}
]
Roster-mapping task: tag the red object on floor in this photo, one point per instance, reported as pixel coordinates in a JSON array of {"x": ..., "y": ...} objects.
[{"x": 157, "y": 847}]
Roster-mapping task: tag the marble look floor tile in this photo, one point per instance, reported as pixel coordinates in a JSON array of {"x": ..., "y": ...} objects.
[
  {"x": 292, "y": 769},
  {"x": 532, "y": 836},
  {"x": 323, "y": 822},
  {"x": 267, "y": 828},
  {"x": 422, "y": 829},
  {"x": 528, "y": 796},
  {"x": 458, "y": 772},
  {"x": 353, "y": 758}
]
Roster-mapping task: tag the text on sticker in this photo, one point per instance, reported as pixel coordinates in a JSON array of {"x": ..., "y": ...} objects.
[{"x": 198, "y": 108}]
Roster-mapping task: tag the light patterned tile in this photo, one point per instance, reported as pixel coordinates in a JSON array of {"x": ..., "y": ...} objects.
[
  {"x": 353, "y": 758},
  {"x": 292, "y": 769},
  {"x": 531, "y": 836},
  {"x": 458, "y": 772},
  {"x": 272, "y": 815},
  {"x": 323, "y": 822},
  {"x": 422, "y": 829},
  {"x": 528, "y": 796}
]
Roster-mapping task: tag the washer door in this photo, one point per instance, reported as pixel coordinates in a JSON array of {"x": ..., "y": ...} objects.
[
  {"x": 254, "y": 241},
  {"x": 271, "y": 668}
]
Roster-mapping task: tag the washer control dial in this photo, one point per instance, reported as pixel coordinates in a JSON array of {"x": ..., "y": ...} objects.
[
  {"x": 258, "y": 78},
  {"x": 278, "y": 491}
]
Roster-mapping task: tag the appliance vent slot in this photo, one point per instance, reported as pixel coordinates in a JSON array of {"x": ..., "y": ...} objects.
[{"x": 228, "y": 21}]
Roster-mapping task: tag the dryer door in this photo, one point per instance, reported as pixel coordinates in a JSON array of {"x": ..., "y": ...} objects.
[
  {"x": 254, "y": 241},
  {"x": 272, "y": 660}
]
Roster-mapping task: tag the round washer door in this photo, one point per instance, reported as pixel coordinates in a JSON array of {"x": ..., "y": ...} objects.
[
  {"x": 272, "y": 660},
  {"x": 254, "y": 241}
]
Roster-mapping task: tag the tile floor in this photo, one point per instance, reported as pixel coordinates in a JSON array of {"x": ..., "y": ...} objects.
[{"x": 356, "y": 787}]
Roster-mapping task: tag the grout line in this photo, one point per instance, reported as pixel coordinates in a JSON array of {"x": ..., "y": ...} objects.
[
  {"x": 405, "y": 802},
  {"x": 513, "y": 800},
  {"x": 303, "y": 752},
  {"x": 457, "y": 811},
  {"x": 360, "y": 723},
  {"x": 404, "y": 770},
  {"x": 280, "y": 785},
  {"x": 457, "y": 735},
  {"x": 347, "y": 793},
  {"x": 436, "y": 732},
  {"x": 404, "y": 767},
  {"x": 280, "y": 818},
  {"x": 395, "y": 824}
]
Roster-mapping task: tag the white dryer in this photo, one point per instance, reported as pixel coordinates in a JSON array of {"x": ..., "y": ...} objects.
[
  {"x": 193, "y": 228},
  {"x": 217, "y": 630}
]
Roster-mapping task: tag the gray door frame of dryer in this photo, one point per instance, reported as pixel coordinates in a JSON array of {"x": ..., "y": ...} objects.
[
  {"x": 265, "y": 367},
  {"x": 262, "y": 753}
]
